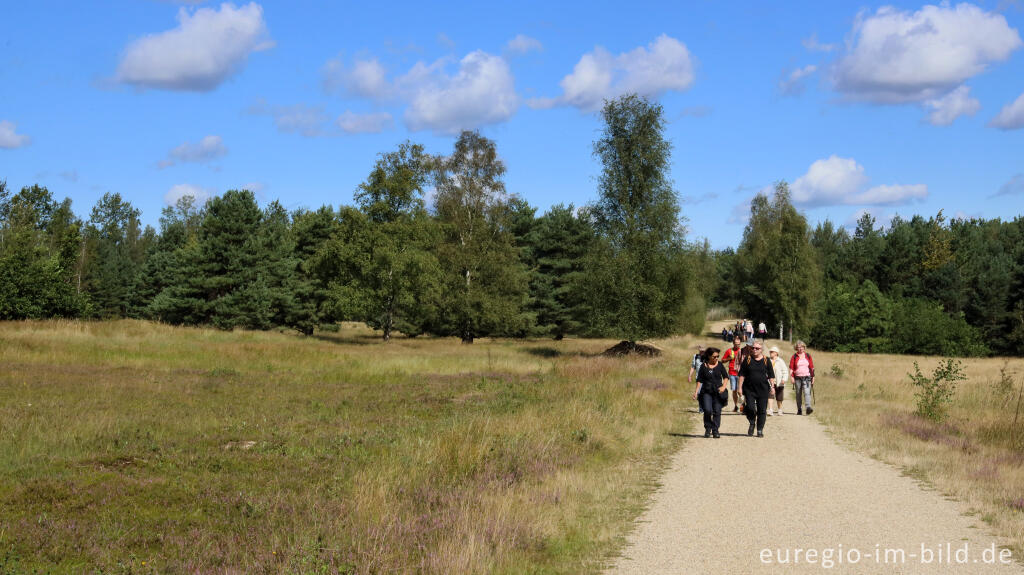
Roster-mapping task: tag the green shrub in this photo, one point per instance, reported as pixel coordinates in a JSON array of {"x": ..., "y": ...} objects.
[{"x": 935, "y": 394}]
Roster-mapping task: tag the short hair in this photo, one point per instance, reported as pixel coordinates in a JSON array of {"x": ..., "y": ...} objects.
[{"x": 800, "y": 343}]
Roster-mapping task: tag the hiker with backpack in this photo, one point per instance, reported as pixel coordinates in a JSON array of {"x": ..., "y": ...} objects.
[
  {"x": 712, "y": 391},
  {"x": 731, "y": 358},
  {"x": 757, "y": 378},
  {"x": 802, "y": 367}
]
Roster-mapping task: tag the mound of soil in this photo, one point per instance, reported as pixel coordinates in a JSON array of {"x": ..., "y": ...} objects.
[{"x": 631, "y": 347}]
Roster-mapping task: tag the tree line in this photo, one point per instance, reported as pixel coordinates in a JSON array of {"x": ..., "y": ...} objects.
[
  {"x": 479, "y": 261},
  {"x": 928, "y": 286}
]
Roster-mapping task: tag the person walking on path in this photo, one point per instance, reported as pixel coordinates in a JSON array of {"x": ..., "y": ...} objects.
[
  {"x": 762, "y": 331},
  {"x": 748, "y": 327},
  {"x": 731, "y": 358},
  {"x": 711, "y": 387},
  {"x": 802, "y": 367},
  {"x": 756, "y": 380},
  {"x": 698, "y": 360},
  {"x": 781, "y": 378}
]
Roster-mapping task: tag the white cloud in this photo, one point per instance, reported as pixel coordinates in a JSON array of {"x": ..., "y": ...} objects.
[
  {"x": 664, "y": 65},
  {"x": 898, "y": 57},
  {"x": 1014, "y": 187},
  {"x": 792, "y": 84},
  {"x": 207, "y": 47},
  {"x": 365, "y": 79},
  {"x": 891, "y": 195},
  {"x": 813, "y": 45},
  {"x": 181, "y": 190},
  {"x": 951, "y": 106},
  {"x": 1011, "y": 117},
  {"x": 353, "y": 123},
  {"x": 841, "y": 181},
  {"x": 522, "y": 44},
  {"x": 9, "y": 138},
  {"x": 208, "y": 149},
  {"x": 309, "y": 121},
  {"x": 481, "y": 92}
]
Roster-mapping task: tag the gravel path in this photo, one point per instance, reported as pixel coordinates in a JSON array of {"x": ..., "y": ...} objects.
[{"x": 797, "y": 489}]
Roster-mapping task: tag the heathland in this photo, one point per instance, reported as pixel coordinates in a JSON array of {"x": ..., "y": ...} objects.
[{"x": 130, "y": 446}]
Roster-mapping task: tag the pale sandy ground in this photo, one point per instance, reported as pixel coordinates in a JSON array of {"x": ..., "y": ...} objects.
[{"x": 796, "y": 489}]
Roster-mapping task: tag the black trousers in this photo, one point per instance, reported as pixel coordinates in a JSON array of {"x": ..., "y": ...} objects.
[
  {"x": 712, "y": 411},
  {"x": 757, "y": 409}
]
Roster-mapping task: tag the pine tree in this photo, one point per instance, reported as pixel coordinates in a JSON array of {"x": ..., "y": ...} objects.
[
  {"x": 311, "y": 230},
  {"x": 163, "y": 287},
  {"x": 558, "y": 243},
  {"x": 113, "y": 255}
]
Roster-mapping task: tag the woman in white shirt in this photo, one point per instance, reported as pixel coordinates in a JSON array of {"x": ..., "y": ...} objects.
[{"x": 781, "y": 377}]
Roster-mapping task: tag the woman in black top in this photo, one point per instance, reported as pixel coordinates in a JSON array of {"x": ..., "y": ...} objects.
[
  {"x": 757, "y": 378},
  {"x": 712, "y": 381}
]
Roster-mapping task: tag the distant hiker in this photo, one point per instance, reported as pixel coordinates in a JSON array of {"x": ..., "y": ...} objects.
[
  {"x": 762, "y": 331},
  {"x": 781, "y": 378},
  {"x": 725, "y": 334},
  {"x": 695, "y": 363},
  {"x": 711, "y": 387},
  {"x": 802, "y": 367},
  {"x": 756, "y": 380},
  {"x": 748, "y": 328},
  {"x": 731, "y": 358}
]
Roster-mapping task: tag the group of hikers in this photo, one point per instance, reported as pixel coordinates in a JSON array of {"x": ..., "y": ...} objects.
[
  {"x": 753, "y": 378},
  {"x": 745, "y": 329}
]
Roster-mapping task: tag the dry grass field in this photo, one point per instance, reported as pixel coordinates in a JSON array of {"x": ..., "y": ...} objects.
[
  {"x": 131, "y": 447},
  {"x": 975, "y": 456}
]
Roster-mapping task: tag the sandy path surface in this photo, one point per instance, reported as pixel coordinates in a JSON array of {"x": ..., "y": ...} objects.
[{"x": 798, "y": 489}]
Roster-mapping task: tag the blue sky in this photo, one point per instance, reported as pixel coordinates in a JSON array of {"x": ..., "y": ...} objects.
[{"x": 896, "y": 108}]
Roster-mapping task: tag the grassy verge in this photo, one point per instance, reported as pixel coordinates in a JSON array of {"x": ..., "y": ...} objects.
[
  {"x": 129, "y": 447},
  {"x": 975, "y": 456}
]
